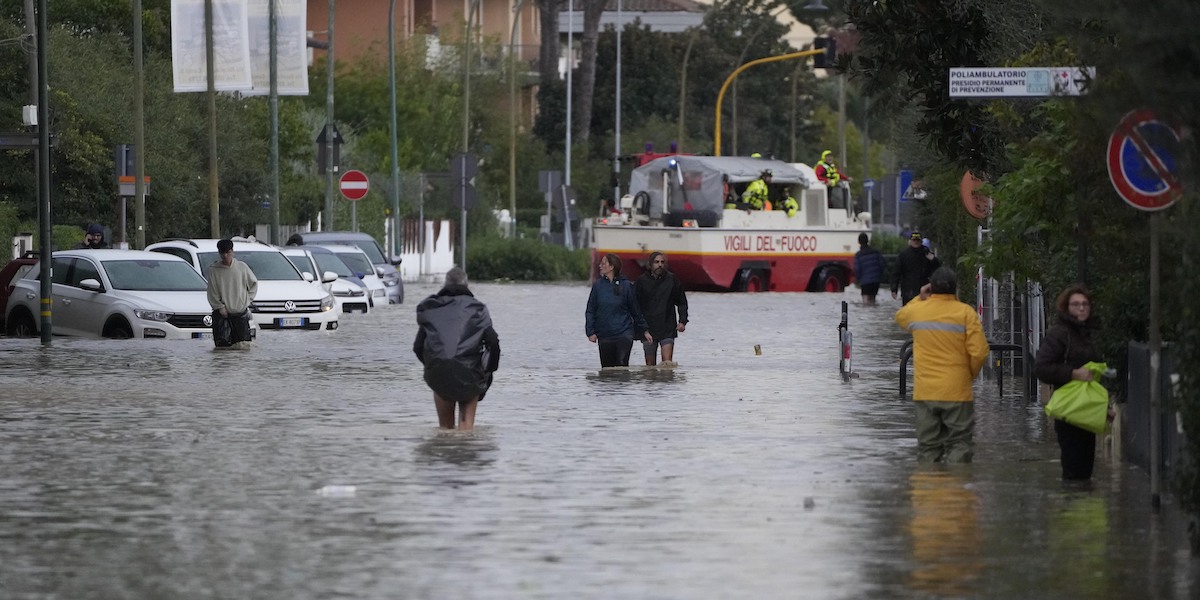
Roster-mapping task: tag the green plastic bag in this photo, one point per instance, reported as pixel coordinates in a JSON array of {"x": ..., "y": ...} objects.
[{"x": 1082, "y": 403}]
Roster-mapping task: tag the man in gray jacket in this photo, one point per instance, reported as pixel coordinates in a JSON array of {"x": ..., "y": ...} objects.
[{"x": 231, "y": 289}]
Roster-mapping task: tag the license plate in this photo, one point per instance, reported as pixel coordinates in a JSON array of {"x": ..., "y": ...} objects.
[
  {"x": 202, "y": 335},
  {"x": 291, "y": 322}
]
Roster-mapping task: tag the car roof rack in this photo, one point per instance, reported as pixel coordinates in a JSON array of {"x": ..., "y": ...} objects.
[{"x": 177, "y": 239}]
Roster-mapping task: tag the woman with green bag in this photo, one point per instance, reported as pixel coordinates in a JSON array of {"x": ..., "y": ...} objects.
[{"x": 1067, "y": 347}]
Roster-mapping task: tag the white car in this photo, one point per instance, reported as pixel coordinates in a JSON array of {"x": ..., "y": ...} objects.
[
  {"x": 284, "y": 300},
  {"x": 349, "y": 295},
  {"x": 114, "y": 294},
  {"x": 361, "y": 265}
]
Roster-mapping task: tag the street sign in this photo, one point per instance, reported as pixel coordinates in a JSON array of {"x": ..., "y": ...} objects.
[
  {"x": 1143, "y": 155},
  {"x": 977, "y": 205},
  {"x": 1019, "y": 82},
  {"x": 463, "y": 168},
  {"x": 322, "y": 140},
  {"x": 354, "y": 184}
]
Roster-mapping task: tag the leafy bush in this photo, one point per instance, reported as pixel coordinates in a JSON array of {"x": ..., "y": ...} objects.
[{"x": 524, "y": 260}]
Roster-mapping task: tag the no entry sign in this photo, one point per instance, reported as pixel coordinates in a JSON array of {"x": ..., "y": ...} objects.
[
  {"x": 1143, "y": 154},
  {"x": 354, "y": 184}
]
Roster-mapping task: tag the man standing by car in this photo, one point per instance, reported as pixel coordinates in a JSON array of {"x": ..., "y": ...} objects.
[
  {"x": 913, "y": 267},
  {"x": 660, "y": 296},
  {"x": 231, "y": 289},
  {"x": 93, "y": 239}
]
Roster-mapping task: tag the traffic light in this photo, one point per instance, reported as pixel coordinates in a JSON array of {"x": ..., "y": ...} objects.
[{"x": 827, "y": 59}]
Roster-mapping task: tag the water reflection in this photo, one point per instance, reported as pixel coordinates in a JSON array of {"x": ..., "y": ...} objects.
[
  {"x": 945, "y": 532},
  {"x": 473, "y": 449}
]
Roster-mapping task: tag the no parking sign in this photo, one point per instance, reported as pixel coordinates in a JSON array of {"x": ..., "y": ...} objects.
[{"x": 1143, "y": 154}]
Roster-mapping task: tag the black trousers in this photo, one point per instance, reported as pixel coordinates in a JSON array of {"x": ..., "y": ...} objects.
[
  {"x": 1078, "y": 447},
  {"x": 230, "y": 330},
  {"x": 614, "y": 352}
]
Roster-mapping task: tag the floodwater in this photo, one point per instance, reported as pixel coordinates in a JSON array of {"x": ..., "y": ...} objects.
[{"x": 310, "y": 466}]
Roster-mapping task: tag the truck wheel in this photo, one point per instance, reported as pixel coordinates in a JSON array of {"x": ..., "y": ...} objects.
[
  {"x": 752, "y": 281},
  {"x": 831, "y": 280}
]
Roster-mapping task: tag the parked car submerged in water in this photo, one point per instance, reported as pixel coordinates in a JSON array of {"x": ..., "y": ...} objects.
[
  {"x": 114, "y": 294},
  {"x": 384, "y": 267},
  {"x": 348, "y": 291}
]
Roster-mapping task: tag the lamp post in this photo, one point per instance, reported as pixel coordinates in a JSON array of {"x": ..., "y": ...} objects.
[
  {"x": 738, "y": 71},
  {"x": 512, "y": 122},
  {"x": 474, "y": 6},
  {"x": 395, "y": 220}
]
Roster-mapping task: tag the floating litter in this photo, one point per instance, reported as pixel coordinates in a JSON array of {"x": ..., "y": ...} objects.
[
  {"x": 337, "y": 491},
  {"x": 757, "y": 350}
]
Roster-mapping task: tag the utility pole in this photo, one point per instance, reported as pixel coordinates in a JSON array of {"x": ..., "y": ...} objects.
[
  {"x": 139, "y": 136},
  {"x": 327, "y": 223},
  {"x": 214, "y": 194},
  {"x": 273, "y": 28}
]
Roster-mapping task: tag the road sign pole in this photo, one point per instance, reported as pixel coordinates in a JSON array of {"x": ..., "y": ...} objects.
[
  {"x": 353, "y": 216},
  {"x": 1155, "y": 341}
]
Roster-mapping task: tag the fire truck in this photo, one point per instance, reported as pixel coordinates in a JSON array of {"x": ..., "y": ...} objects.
[{"x": 689, "y": 207}]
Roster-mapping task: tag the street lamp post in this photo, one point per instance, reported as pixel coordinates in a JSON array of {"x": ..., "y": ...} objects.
[
  {"x": 512, "y": 122},
  {"x": 738, "y": 71}
]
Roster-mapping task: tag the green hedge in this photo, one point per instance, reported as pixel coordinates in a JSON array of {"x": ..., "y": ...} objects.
[{"x": 524, "y": 260}]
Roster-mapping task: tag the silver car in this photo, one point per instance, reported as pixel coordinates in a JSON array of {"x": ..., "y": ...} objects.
[{"x": 115, "y": 294}]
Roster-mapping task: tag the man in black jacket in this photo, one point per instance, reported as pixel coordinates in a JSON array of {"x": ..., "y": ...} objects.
[
  {"x": 660, "y": 296},
  {"x": 913, "y": 267}
]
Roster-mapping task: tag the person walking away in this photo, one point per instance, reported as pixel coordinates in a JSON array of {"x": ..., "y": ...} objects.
[
  {"x": 459, "y": 348},
  {"x": 660, "y": 296},
  {"x": 949, "y": 349},
  {"x": 868, "y": 269},
  {"x": 231, "y": 288},
  {"x": 93, "y": 239},
  {"x": 914, "y": 265},
  {"x": 1067, "y": 346},
  {"x": 613, "y": 316},
  {"x": 757, "y": 194}
]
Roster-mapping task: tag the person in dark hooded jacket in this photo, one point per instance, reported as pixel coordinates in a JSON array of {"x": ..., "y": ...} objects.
[
  {"x": 661, "y": 296},
  {"x": 1068, "y": 346},
  {"x": 459, "y": 349}
]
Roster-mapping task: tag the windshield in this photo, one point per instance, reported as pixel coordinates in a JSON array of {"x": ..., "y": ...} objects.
[
  {"x": 372, "y": 250},
  {"x": 153, "y": 276},
  {"x": 267, "y": 266},
  {"x": 301, "y": 263},
  {"x": 357, "y": 261},
  {"x": 330, "y": 262}
]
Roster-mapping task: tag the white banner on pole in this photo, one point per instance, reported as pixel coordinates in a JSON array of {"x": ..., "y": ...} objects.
[
  {"x": 291, "y": 17},
  {"x": 231, "y": 46}
]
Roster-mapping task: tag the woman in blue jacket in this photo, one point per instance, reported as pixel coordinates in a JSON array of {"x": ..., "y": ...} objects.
[{"x": 613, "y": 316}]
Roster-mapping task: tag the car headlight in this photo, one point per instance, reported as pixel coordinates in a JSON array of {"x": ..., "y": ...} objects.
[
  {"x": 152, "y": 315},
  {"x": 327, "y": 303},
  {"x": 389, "y": 282}
]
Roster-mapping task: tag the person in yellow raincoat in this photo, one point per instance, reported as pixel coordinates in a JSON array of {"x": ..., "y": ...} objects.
[{"x": 949, "y": 349}]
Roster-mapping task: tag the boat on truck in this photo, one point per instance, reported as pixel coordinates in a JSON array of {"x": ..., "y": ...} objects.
[{"x": 680, "y": 205}]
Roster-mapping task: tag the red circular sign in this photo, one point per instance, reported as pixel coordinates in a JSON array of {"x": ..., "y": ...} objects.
[
  {"x": 1143, "y": 155},
  {"x": 354, "y": 184}
]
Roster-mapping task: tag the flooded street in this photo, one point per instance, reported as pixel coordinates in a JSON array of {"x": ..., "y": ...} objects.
[{"x": 310, "y": 466}]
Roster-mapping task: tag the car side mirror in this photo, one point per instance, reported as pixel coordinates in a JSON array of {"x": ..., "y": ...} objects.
[
  {"x": 396, "y": 260},
  {"x": 380, "y": 271},
  {"x": 328, "y": 277},
  {"x": 91, "y": 285},
  {"x": 308, "y": 276}
]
